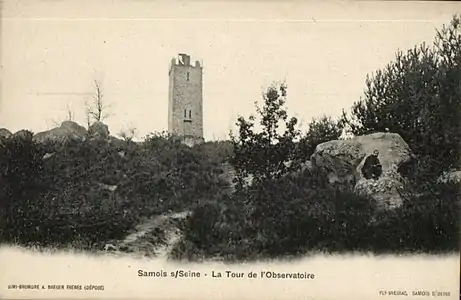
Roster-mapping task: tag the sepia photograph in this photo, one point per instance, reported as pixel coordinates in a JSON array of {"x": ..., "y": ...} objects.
[{"x": 151, "y": 139}]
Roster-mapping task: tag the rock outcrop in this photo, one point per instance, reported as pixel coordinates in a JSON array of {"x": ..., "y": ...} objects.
[
  {"x": 22, "y": 134},
  {"x": 99, "y": 131},
  {"x": 5, "y": 133},
  {"x": 341, "y": 161},
  {"x": 386, "y": 191},
  {"x": 68, "y": 131}
]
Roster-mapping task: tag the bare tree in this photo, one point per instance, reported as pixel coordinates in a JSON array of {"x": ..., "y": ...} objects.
[
  {"x": 55, "y": 123},
  {"x": 128, "y": 134},
  {"x": 70, "y": 116},
  {"x": 97, "y": 109},
  {"x": 70, "y": 113},
  {"x": 88, "y": 116}
]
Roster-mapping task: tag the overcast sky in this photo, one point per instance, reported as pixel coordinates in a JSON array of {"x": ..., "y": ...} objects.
[{"x": 53, "y": 50}]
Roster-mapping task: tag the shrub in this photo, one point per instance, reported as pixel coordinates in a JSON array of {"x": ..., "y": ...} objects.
[
  {"x": 418, "y": 96},
  {"x": 93, "y": 191},
  {"x": 288, "y": 218}
]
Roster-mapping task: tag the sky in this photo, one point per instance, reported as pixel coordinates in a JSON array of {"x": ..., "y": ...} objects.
[{"x": 52, "y": 51}]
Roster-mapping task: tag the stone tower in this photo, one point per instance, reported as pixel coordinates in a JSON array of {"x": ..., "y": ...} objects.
[{"x": 185, "y": 100}]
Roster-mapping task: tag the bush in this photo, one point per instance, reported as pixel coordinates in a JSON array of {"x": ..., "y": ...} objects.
[
  {"x": 98, "y": 190},
  {"x": 58, "y": 200},
  {"x": 321, "y": 130},
  {"x": 288, "y": 218},
  {"x": 283, "y": 218},
  {"x": 427, "y": 222},
  {"x": 418, "y": 96}
]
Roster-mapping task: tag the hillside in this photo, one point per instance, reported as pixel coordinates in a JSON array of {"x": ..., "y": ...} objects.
[
  {"x": 86, "y": 192},
  {"x": 159, "y": 197}
]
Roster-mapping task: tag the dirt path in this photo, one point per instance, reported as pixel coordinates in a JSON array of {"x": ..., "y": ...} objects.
[
  {"x": 173, "y": 235},
  {"x": 140, "y": 243}
]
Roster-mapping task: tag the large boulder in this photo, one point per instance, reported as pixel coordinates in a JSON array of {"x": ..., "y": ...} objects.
[
  {"x": 387, "y": 190},
  {"x": 23, "y": 134},
  {"x": 341, "y": 161},
  {"x": 5, "y": 133},
  {"x": 68, "y": 131},
  {"x": 99, "y": 130}
]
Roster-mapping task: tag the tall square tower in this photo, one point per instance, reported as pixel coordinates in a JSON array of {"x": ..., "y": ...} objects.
[{"x": 185, "y": 100}]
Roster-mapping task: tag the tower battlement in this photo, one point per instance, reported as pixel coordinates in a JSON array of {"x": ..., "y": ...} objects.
[
  {"x": 184, "y": 60},
  {"x": 185, "y": 99}
]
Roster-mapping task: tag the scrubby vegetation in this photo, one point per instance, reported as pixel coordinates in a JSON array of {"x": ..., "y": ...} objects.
[
  {"x": 86, "y": 193},
  {"x": 417, "y": 96},
  {"x": 290, "y": 218},
  {"x": 68, "y": 196}
]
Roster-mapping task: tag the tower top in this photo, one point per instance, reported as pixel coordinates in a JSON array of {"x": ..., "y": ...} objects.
[{"x": 184, "y": 60}]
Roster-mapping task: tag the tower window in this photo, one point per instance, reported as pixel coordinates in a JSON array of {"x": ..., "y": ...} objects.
[
  {"x": 187, "y": 76},
  {"x": 190, "y": 114},
  {"x": 185, "y": 113}
]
